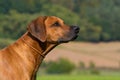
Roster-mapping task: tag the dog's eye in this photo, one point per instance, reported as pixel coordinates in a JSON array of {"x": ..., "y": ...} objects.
[{"x": 56, "y": 24}]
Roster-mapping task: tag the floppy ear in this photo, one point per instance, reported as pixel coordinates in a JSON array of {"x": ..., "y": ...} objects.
[{"x": 37, "y": 28}]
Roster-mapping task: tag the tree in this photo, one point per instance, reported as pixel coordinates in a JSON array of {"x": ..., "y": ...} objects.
[
  {"x": 90, "y": 32},
  {"x": 5, "y": 6}
]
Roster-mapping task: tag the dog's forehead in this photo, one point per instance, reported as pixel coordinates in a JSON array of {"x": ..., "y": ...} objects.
[{"x": 53, "y": 19}]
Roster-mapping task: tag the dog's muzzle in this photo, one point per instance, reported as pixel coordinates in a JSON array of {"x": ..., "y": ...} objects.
[{"x": 71, "y": 35}]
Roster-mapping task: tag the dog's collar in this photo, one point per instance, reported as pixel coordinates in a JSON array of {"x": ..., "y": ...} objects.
[{"x": 42, "y": 55}]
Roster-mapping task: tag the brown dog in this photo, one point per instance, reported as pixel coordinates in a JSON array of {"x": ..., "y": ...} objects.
[{"x": 21, "y": 60}]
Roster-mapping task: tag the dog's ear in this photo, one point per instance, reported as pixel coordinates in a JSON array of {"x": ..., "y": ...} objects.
[{"x": 37, "y": 28}]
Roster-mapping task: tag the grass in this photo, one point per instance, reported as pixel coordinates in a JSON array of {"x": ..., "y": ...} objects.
[{"x": 79, "y": 77}]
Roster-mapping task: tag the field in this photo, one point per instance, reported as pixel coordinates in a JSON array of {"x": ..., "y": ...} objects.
[
  {"x": 78, "y": 77},
  {"x": 105, "y": 55}
]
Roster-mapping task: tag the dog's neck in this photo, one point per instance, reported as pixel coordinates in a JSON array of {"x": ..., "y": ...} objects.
[
  {"x": 36, "y": 51},
  {"x": 42, "y": 48}
]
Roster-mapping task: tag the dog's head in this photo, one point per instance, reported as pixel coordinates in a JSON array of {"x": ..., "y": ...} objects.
[{"x": 52, "y": 29}]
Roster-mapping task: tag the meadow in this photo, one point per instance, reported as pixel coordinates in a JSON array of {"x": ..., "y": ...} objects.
[
  {"x": 104, "y": 55},
  {"x": 79, "y": 77}
]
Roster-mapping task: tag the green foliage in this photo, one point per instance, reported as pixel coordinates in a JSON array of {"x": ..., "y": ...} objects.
[
  {"x": 90, "y": 32},
  {"x": 4, "y": 6},
  {"x": 14, "y": 24},
  {"x": 59, "y": 67},
  {"x": 44, "y": 64},
  {"x": 81, "y": 65},
  {"x": 93, "y": 69},
  {"x": 91, "y": 65},
  {"x": 56, "y": 10},
  {"x": 5, "y": 42},
  {"x": 99, "y": 20}
]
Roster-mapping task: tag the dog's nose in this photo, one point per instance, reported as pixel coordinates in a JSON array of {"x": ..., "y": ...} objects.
[{"x": 76, "y": 29}]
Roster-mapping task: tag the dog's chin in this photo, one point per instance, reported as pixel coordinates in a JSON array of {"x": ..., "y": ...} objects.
[
  {"x": 75, "y": 37},
  {"x": 67, "y": 40},
  {"x": 58, "y": 42}
]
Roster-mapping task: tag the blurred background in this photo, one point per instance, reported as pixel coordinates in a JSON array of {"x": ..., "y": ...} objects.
[{"x": 95, "y": 55}]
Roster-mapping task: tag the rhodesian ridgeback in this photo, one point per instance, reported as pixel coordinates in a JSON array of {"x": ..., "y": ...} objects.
[{"x": 21, "y": 60}]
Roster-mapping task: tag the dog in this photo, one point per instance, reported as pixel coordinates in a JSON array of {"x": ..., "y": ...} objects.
[{"x": 21, "y": 60}]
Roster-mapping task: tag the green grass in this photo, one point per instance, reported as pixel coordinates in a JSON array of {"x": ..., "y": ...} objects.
[{"x": 79, "y": 77}]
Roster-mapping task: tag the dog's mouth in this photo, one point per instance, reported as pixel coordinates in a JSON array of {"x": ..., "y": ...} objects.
[
  {"x": 64, "y": 40},
  {"x": 67, "y": 40}
]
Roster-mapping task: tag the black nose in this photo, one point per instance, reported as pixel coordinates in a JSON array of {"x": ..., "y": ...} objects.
[{"x": 76, "y": 29}]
